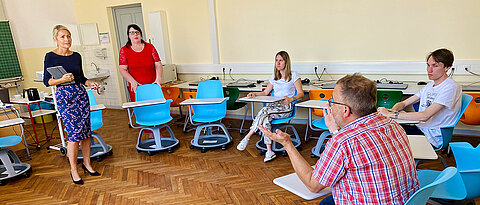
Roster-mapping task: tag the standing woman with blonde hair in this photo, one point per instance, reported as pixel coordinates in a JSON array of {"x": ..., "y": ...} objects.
[
  {"x": 72, "y": 99},
  {"x": 285, "y": 83}
]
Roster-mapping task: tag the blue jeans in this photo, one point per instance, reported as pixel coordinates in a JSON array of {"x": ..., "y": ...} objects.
[{"x": 327, "y": 201}]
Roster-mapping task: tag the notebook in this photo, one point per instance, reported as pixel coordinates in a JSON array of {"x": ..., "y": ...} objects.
[{"x": 57, "y": 72}]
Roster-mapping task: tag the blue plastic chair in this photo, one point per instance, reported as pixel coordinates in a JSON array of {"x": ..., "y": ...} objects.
[
  {"x": 96, "y": 122},
  {"x": 321, "y": 126},
  {"x": 422, "y": 195},
  {"x": 10, "y": 164},
  {"x": 468, "y": 164},
  {"x": 452, "y": 189},
  {"x": 447, "y": 132},
  {"x": 208, "y": 116},
  {"x": 281, "y": 124},
  {"x": 154, "y": 118}
]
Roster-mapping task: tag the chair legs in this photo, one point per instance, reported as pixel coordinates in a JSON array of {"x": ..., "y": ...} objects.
[
  {"x": 316, "y": 151},
  {"x": 157, "y": 143},
  {"x": 11, "y": 165},
  {"x": 209, "y": 139}
]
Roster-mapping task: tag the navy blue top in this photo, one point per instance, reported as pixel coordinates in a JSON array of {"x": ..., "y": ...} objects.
[{"x": 72, "y": 64}]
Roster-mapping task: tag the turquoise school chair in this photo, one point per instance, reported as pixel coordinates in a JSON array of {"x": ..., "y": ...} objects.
[
  {"x": 447, "y": 132},
  {"x": 96, "y": 122},
  {"x": 281, "y": 124},
  {"x": 154, "y": 118},
  {"x": 468, "y": 164},
  {"x": 207, "y": 116},
  {"x": 422, "y": 195}
]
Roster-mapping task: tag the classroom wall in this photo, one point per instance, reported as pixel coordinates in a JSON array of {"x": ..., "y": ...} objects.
[
  {"x": 251, "y": 32},
  {"x": 339, "y": 31}
]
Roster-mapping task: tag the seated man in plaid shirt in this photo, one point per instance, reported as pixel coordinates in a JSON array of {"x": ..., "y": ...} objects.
[{"x": 367, "y": 161}]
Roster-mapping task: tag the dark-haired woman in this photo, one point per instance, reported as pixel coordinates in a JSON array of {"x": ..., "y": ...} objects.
[{"x": 139, "y": 61}]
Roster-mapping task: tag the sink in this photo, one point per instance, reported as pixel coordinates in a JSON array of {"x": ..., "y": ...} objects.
[{"x": 98, "y": 75}]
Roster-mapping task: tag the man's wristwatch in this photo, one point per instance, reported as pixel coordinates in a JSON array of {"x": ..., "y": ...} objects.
[{"x": 396, "y": 115}]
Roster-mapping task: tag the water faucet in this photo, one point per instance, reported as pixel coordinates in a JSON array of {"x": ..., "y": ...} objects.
[{"x": 96, "y": 67}]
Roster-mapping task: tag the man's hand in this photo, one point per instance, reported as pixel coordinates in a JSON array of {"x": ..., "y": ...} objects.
[
  {"x": 280, "y": 137},
  {"x": 385, "y": 112},
  {"x": 329, "y": 120}
]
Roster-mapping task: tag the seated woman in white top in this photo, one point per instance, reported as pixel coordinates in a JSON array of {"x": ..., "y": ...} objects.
[{"x": 284, "y": 82}]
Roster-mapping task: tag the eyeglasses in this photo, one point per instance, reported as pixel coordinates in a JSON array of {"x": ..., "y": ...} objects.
[
  {"x": 330, "y": 102},
  {"x": 134, "y": 32}
]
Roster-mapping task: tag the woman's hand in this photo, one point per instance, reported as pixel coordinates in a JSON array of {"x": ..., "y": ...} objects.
[
  {"x": 134, "y": 85},
  {"x": 93, "y": 85},
  {"x": 251, "y": 95},
  {"x": 288, "y": 100},
  {"x": 67, "y": 77}
]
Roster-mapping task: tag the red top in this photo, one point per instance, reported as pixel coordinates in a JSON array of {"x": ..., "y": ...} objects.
[
  {"x": 368, "y": 162},
  {"x": 141, "y": 65}
]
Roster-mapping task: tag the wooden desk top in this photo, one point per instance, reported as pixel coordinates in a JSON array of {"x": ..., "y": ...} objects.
[
  {"x": 205, "y": 101},
  {"x": 263, "y": 99},
  {"x": 143, "y": 103}
]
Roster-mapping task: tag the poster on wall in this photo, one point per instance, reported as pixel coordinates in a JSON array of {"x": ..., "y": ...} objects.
[{"x": 104, "y": 37}]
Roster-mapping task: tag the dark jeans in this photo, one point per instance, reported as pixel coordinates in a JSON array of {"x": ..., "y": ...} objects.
[
  {"x": 327, "y": 201},
  {"x": 412, "y": 130}
]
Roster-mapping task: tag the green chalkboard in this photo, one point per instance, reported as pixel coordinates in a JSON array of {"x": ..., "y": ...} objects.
[{"x": 9, "y": 65}]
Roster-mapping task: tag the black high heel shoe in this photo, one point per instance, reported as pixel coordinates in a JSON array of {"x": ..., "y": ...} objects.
[
  {"x": 79, "y": 182},
  {"x": 85, "y": 170}
]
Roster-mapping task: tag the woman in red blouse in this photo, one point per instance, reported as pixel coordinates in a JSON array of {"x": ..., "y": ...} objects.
[{"x": 139, "y": 61}]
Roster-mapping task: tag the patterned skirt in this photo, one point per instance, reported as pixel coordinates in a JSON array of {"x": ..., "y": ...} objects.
[{"x": 74, "y": 108}]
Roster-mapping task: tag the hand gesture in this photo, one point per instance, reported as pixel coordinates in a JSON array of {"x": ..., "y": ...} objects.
[
  {"x": 329, "y": 120},
  {"x": 251, "y": 95},
  {"x": 280, "y": 137}
]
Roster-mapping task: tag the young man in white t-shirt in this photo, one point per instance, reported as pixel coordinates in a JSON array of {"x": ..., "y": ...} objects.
[{"x": 440, "y": 100}]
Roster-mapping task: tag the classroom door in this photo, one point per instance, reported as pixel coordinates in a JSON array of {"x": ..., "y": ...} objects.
[{"x": 124, "y": 16}]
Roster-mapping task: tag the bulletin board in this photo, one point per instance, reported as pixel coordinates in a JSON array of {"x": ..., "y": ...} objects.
[{"x": 9, "y": 64}]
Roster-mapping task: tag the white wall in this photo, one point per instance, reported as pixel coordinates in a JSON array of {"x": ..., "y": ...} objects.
[{"x": 32, "y": 21}]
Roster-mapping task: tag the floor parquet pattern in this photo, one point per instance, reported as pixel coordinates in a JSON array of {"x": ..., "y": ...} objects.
[{"x": 185, "y": 176}]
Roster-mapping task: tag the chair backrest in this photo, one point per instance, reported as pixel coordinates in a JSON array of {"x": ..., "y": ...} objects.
[
  {"x": 151, "y": 112},
  {"x": 388, "y": 98},
  {"x": 471, "y": 116},
  {"x": 319, "y": 95},
  {"x": 96, "y": 118},
  {"x": 468, "y": 164},
  {"x": 171, "y": 92},
  {"x": 210, "y": 89},
  {"x": 421, "y": 196},
  {"x": 189, "y": 94},
  {"x": 232, "y": 93},
  {"x": 447, "y": 132}
]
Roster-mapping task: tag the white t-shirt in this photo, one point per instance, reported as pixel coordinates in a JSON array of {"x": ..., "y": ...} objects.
[
  {"x": 282, "y": 87},
  {"x": 449, "y": 94}
]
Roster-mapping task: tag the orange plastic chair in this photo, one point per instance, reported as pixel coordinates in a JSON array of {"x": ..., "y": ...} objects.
[
  {"x": 471, "y": 116},
  {"x": 174, "y": 94},
  {"x": 318, "y": 95},
  {"x": 188, "y": 95},
  {"x": 324, "y": 94}
]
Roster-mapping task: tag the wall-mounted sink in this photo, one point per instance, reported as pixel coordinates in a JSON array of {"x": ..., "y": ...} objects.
[{"x": 98, "y": 75}]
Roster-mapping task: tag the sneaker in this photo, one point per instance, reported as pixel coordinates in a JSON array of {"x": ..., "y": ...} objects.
[
  {"x": 243, "y": 144},
  {"x": 269, "y": 156}
]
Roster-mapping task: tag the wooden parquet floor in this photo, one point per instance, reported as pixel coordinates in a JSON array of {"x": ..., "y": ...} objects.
[{"x": 183, "y": 177}]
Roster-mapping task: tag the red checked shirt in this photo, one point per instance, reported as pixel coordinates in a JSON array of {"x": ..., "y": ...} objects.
[{"x": 368, "y": 162}]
